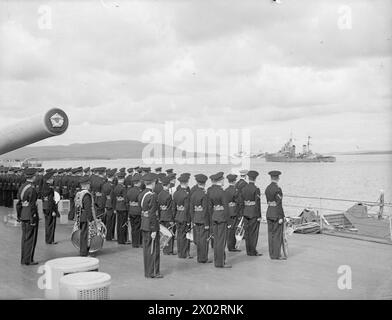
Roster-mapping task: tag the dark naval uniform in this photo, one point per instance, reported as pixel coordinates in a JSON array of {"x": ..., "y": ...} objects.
[
  {"x": 49, "y": 207},
  {"x": 28, "y": 214},
  {"x": 218, "y": 207},
  {"x": 252, "y": 213},
  {"x": 134, "y": 212},
  {"x": 96, "y": 188},
  {"x": 149, "y": 224},
  {"x": 201, "y": 222},
  {"x": 274, "y": 196},
  {"x": 109, "y": 218},
  {"x": 183, "y": 219},
  {"x": 120, "y": 207},
  {"x": 86, "y": 216},
  {"x": 234, "y": 204},
  {"x": 166, "y": 215}
]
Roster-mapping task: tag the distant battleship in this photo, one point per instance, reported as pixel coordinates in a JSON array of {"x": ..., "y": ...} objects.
[{"x": 288, "y": 154}]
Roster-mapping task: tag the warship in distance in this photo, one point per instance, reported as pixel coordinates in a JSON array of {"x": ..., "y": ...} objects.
[{"x": 288, "y": 154}]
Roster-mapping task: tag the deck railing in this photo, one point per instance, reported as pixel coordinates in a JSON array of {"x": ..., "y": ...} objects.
[{"x": 379, "y": 208}]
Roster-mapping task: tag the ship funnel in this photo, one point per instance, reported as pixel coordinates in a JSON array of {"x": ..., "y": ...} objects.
[{"x": 53, "y": 123}]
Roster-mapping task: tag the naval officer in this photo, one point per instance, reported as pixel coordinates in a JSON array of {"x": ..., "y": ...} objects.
[
  {"x": 150, "y": 227},
  {"x": 220, "y": 218},
  {"x": 250, "y": 195},
  {"x": 275, "y": 216},
  {"x": 27, "y": 213}
]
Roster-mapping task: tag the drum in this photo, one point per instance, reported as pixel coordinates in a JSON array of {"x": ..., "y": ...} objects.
[
  {"x": 166, "y": 235},
  {"x": 96, "y": 235}
]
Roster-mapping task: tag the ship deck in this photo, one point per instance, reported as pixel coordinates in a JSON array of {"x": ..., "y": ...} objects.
[{"x": 311, "y": 272}]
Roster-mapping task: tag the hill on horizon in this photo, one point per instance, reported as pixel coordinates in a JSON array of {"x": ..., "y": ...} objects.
[{"x": 94, "y": 150}]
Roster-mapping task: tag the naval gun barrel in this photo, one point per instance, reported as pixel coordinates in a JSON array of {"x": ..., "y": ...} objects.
[{"x": 53, "y": 123}]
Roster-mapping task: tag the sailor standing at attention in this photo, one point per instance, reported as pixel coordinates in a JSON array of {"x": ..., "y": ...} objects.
[
  {"x": 233, "y": 199},
  {"x": 150, "y": 228},
  {"x": 252, "y": 213},
  {"x": 182, "y": 216},
  {"x": 109, "y": 218},
  {"x": 134, "y": 210},
  {"x": 219, "y": 210},
  {"x": 200, "y": 218},
  {"x": 27, "y": 213},
  {"x": 49, "y": 207},
  {"x": 275, "y": 216},
  {"x": 121, "y": 209}
]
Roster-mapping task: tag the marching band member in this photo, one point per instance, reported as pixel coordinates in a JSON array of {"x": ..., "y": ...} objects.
[
  {"x": 218, "y": 207},
  {"x": 182, "y": 216},
  {"x": 84, "y": 205},
  {"x": 150, "y": 228},
  {"x": 27, "y": 213},
  {"x": 120, "y": 209},
  {"x": 109, "y": 218},
  {"x": 233, "y": 199},
  {"x": 252, "y": 213},
  {"x": 200, "y": 218},
  {"x": 134, "y": 210},
  {"x": 165, "y": 203},
  {"x": 49, "y": 207},
  {"x": 275, "y": 216}
]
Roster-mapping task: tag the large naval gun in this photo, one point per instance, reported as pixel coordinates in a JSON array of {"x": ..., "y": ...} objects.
[{"x": 53, "y": 123}]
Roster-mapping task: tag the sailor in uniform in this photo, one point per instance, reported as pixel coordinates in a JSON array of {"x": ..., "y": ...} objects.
[
  {"x": 166, "y": 216},
  {"x": 49, "y": 207},
  {"x": 200, "y": 218},
  {"x": 121, "y": 210},
  {"x": 250, "y": 195},
  {"x": 150, "y": 228},
  {"x": 275, "y": 216},
  {"x": 134, "y": 210},
  {"x": 109, "y": 218},
  {"x": 233, "y": 199},
  {"x": 182, "y": 216},
  {"x": 219, "y": 210},
  {"x": 27, "y": 213}
]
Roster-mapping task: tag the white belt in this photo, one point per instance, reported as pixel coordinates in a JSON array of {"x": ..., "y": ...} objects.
[
  {"x": 120, "y": 198},
  {"x": 272, "y": 204},
  {"x": 25, "y": 204},
  {"x": 133, "y": 204},
  {"x": 163, "y": 207},
  {"x": 249, "y": 203},
  {"x": 232, "y": 204},
  {"x": 218, "y": 207},
  {"x": 180, "y": 208},
  {"x": 198, "y": 208}
]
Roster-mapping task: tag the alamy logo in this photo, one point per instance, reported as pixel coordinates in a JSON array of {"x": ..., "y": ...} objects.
[
  {"x": 345, "y": 278},
  {"x": 201, "y": 146},
  {"x": 44, "y": 281}
]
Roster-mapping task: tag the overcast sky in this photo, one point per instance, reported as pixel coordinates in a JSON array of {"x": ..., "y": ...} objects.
[{"x": 118, "y": 68}]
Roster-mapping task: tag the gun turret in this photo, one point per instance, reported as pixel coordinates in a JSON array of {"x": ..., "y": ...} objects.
[{"x": 53, "y": 123}]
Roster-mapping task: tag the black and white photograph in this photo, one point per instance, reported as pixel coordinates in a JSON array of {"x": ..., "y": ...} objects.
[{"x": 194, "y": 150}]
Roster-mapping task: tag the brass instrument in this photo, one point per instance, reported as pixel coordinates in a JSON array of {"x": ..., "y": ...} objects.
[{"x": 239, "y": 232}]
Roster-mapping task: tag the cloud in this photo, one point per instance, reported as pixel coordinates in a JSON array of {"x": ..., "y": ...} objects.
[{"x": 198, "y": 63}]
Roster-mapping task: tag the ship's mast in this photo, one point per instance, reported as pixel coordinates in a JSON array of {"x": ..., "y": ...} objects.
[{"x": 309, "y": 143}]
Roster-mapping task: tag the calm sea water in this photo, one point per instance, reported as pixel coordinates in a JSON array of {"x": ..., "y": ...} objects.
[{"x": 356, "y": 177}]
